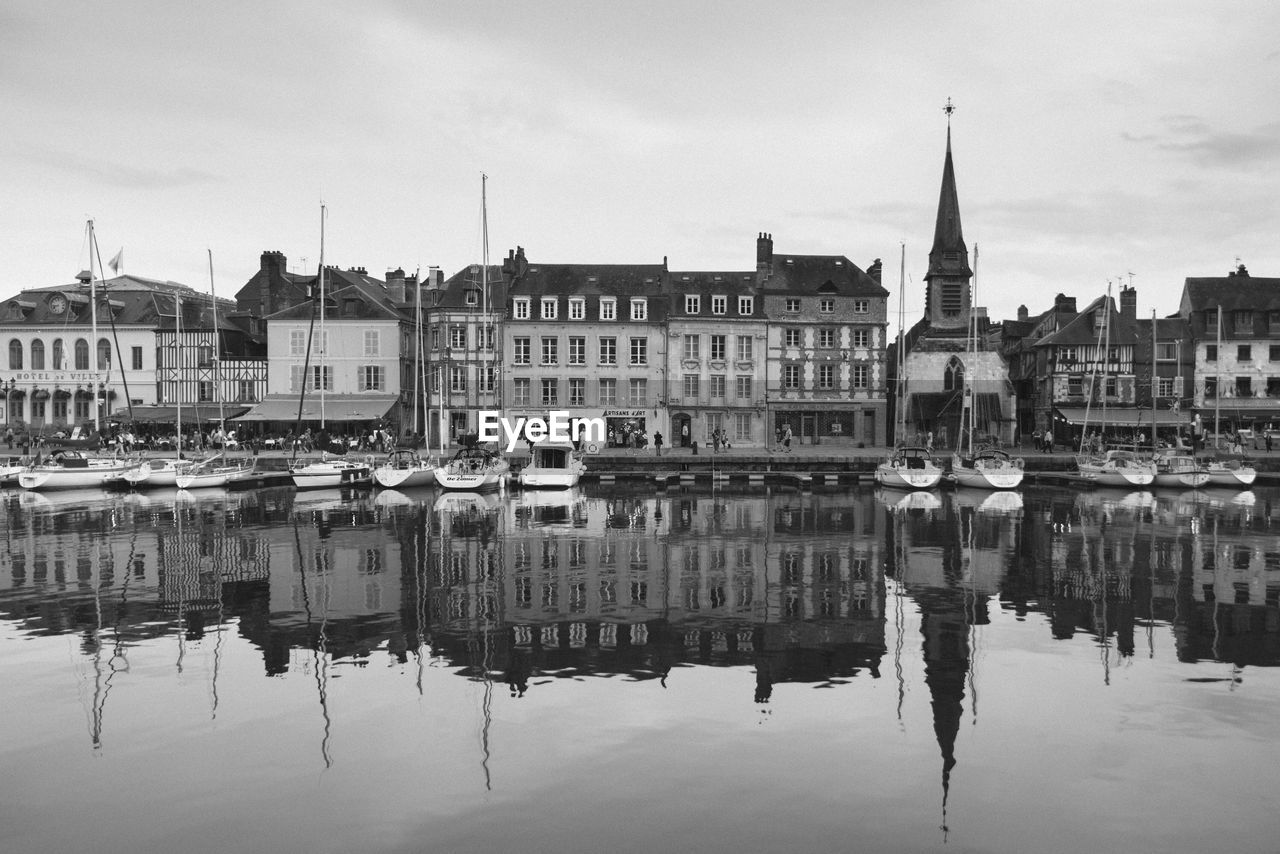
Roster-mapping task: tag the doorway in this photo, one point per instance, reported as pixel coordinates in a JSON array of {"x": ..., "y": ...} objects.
[{"x": 682, "y": 424}]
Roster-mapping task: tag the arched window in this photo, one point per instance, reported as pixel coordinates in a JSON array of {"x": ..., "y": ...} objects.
[
  {"x": 954, "y": 378},
  {"x": 104, "y": 354},
  {"x": 59, "y": 355},
  {"x": 15, "y": 355},
  {"x": 82, "y": 354},
  {"x": 37, "y": 355}
]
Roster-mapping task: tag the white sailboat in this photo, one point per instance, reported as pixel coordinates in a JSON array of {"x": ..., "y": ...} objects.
[
  {"x": 477, "y": 469},
  {"x": 69, "y": 469},
  {"x": 1102, "y": 466},
  {"x": 907, "y": 467},
  {"x": 1236, "y": 473},
  {"x": 985, "y": 468},
  {"x": 330, "y": 470}
]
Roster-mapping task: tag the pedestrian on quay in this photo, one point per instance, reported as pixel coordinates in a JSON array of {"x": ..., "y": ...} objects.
[
  {"x": 786, "y": 438},
  {"x": 657, "y": 442},
  {"x": 715, "y": 441}
]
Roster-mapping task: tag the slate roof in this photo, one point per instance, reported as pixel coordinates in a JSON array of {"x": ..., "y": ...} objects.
[
  {"x": 593, "y": 281},
  {"x": 134, "y": 299},
  {"x": 453, "y": 295},
  {"x": 1079, "y": 330},
  {"x": 366, "y": 295},
  {"x": 1229, "y": 293},
  {"x": 809, "y": 274}
]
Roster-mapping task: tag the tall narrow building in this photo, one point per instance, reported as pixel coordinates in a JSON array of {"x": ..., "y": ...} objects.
[{"x": 949, "y": 297}]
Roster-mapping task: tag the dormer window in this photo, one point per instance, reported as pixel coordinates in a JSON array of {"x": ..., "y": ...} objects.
[
  {"x": 639, "y": 309},
  {"x": 577, "y": 308},
  {"x": 746, "y": 305},
  {"x": 549, "y": 308},
  {"x": 520, "y": 308},
  {"x": 692, "y": 304},
  {"x": 473, "y": 296},
  {"x": 719, "y": 304},
  {"x": 608, "y": 308}
]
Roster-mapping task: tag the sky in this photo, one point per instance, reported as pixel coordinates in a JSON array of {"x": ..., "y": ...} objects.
[{"x": 1093, "y": 142}]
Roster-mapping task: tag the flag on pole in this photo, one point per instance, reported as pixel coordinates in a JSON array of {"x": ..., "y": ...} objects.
[{"x": 117, "y": 262}]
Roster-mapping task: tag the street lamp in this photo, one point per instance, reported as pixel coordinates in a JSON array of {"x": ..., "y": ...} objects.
[{"x": 7, "y": 386}]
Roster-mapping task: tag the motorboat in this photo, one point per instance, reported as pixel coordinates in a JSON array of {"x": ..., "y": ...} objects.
[
  {"x": 1180, "y": 472},
  {"x": 9, "y": 474},
  {"x": 554, "y": 465},
  {"x": 1117, "y": 468},
  {"x": 330, "y": 471},
  {"x": 71, "y": 469},
  {"x": 473, "y": 469},
  {"x": 909, "y": 468},
  {"x": 403, "y": 469},
  {"x": 987, "y": 468}
]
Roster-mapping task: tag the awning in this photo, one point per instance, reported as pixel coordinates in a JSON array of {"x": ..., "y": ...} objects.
[
  {"x": 1122, "y": 416},
  {"x": 337, "y": 407},
  {"x": 195, "y": 413}
]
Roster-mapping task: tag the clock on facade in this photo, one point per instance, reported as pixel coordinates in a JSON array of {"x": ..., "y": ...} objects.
[{"x": 58, "y": 304}]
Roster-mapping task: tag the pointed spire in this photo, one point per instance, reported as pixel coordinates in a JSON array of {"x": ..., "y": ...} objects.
[{"x": 949, "y": 255}]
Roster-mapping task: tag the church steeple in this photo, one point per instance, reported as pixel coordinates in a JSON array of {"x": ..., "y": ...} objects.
[{"x": 949, "y": 297}]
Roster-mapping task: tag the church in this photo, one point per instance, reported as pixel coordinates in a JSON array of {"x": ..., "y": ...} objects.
[{"x": 950, "y": 355}]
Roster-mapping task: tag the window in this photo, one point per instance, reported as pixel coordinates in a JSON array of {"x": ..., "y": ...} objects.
[
  {"x": 862, "y": 338},
  {"x": 487, "y": 337},
  {"x": 608, "y": 351},
  {"x": 60, "y": 409},
  {"x": 1067, "y": 355},
  {"x": 521, "y": 391},
  {"x": 82, "y": 408},
  {"x": 1244, "y": 353},
  {"x": 458, "y": 337},
  {"x": 204, "y": 356},
  {"x": 690, "y": 388},
  {"x": 793, "y": 305},
  {"x": 370, "y": 378},
  {"x": 520, "y": 352},
  {"x": 1110, "y": 387},
  {"x": 742, "y": 427},
  {"x": 1273, "y": 322},
  {"x": 550, "y": 351},
  {"x": 37, "y": 355},
  {"x": 827, "y": 305},
  {"x": 550, "y": 307},
  {"x": 1166, "y": 351},
  {"x": 718, "y": 346},
  {"x": 1075, "y": 386},
  {"x": 297, "y": 342},
  {"x": 745, "y": 351},
  {"x": 550, "y": 395},
  {"x": 717, "y": 386},
  {"x": 1210, "y": 387},
  {"x": 577, "y": 308},
  {"x": 457, "y": 378},
  {"x": 860, "y": 376},
  {"x": 639, "y": 351},
  {"x": 247, "y": 392},
  {"x": 743, "y": 385},
  {"x": 82, "y": 354},
  {"x": 692, "y": 304},
  {"x": 435, "y": 337},
  {"x": 1164, "y": 387},
  {"x": 1273, "y": 354},
  {"x": 608, "y": 308},
  {"x": 59, "y": 355},
  {"x": 488, "y": 379},
  {"x": 472, "y": 296},
  {"x": 520, "y": 308},
  {"x": 322, "y": 377},
  {"x": 1244, "y": 387},
  {"x": 861, "y": 306},
  {"x": 1211, "y": 352},
  {"x": 826, "y": 338},
  {"x": 639, "y": 309},
  {"x": 577, "y": 350},
  {"x": 1242, "y": 321},
  {"x": 953, "y": 377},
  {"x": 15, "y": 355},
  {"x": 1113, "y": 354},
  {"x": 577, "y": 392},
  {"x": 719, "y": 304},
  {"x": 372, "y": 344},
  {"x": 1273, "y": 386},
  {"x": 826, "y": 376},
  {"x": 691, "y": 346},
  {"x": 639, "y": 392},
  {"x": 1210, "y": 318},
  {"x": 715, "y": 425},
  {"x": 746, "y": 305},
  {"x": 791, "y": 337},
  {"x": 608, "y": 391},
  {"x": 791, "y": 376},
  {"x": 136, "y": 353}
]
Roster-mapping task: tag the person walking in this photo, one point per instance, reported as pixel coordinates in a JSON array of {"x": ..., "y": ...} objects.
[
  {"x": 786, "y": 438},
  {"x": 928, "y": 442},
  {"x": 657, "y": 443},
  {"x": 715, "y": 441}
]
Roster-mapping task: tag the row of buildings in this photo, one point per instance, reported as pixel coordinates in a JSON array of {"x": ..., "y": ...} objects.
[{"x": 798, "y": 341}]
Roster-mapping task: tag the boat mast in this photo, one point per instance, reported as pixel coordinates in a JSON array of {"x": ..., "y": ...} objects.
[
  {"x": 1154, "y": 381},
  {"x": 93, "y": 325},
  {"x": 177, "y": 349},
  {"x": 419, "y": 401},
  {"x": 1105, "y": 354},
  {"x": 1217, "y": 382},
  {"x": 973, "y": 350},
  {"x": 484, "y": 294},
  {"x": 324, "y": 343},
  {"x": 901, "y": 384},
  {"x": 217, "y": 356}
]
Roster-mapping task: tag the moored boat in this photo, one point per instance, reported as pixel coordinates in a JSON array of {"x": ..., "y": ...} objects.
[
  {"x": 207, "y": 475},
  {"x": 988, "y": 468},
  {"x": 1230, "y": 472},
  {"x": 909, "y": 468},
  {"x": 473, "y": 469},
  {"x": 554, "y": 465},
  {"x": 1116, "y": 468},
  {"x": 329, "y": 471},
  {"x": 404, "y": 469},
  {"x": 68, "y": 469},
  {"x": 1180, "y": 472}
]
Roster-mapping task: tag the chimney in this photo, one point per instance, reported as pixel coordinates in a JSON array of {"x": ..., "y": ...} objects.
[
  {"x": 396, "y": 286},
  {"x": 1129, "y": 303},
  {"x": 874, "y": 270},
  {"x": 1022, "y": 314},
  {"x": 270, "y": 281},
  {"x": 273, "y": 260},
  {"x": 1062, "y": 302},
  {"x": 764, "y": 252},
  {"x": 509, "y": 263}
]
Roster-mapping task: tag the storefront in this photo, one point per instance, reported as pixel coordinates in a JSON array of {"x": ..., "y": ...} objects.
[{"x": 834, "y": 424}]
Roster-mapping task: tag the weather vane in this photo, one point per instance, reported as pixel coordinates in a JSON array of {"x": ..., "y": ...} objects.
[{"x": 949, "y": 109}]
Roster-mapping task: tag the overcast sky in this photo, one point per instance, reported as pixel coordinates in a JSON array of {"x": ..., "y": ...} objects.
[{"x": 1091, "y": 140}]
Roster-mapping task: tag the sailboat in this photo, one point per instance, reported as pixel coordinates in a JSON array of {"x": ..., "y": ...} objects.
[
  {"x": 329, "y": 471},
  {"x": 1109, "y": 467},
  {"x": 907, "y": 467},
  {"x": 69, "y": 469},
  {"x": 212, "y": 473},
  {"x": 985, "y": 468},
  {"x": 1236, "y": 473},
  {"x": 476, "y": 469}
]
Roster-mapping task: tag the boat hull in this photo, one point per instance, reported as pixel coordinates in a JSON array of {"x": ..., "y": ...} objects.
[
  {"x": 888, "y": 474},
  {"x": 45, "y": 478},
  {"x": 390, "y": 477},
  {"x": 468, "y": 481},
  {"x": 327, "y": 475},
  {"x": 549, "y": 479}
]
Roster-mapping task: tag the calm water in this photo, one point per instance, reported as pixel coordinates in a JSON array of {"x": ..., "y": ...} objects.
[{"x": 613, "y": 670}]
